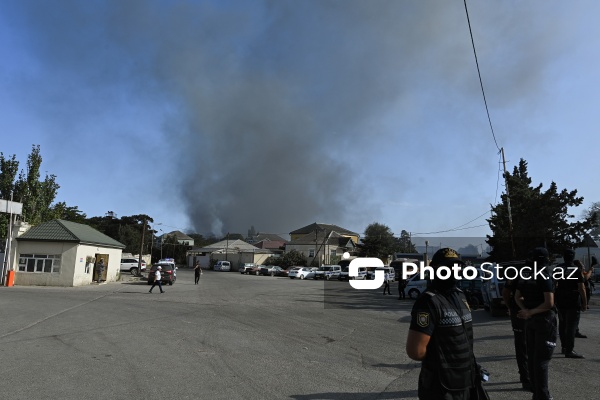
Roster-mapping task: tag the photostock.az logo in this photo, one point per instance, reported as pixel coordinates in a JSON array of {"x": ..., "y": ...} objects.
[{"x": 353, "y": 269}]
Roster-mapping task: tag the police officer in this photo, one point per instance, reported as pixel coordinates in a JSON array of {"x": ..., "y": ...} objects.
[
  {"x": 441, "y": 336},
  {"x": 535, "y": 298},
  {"x": 518, "y": 327},
  {"x": 570, "y": 300}
]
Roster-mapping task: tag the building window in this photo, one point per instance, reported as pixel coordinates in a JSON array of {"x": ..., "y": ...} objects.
[
  {"x": 333, "y": 253},
  {"x": 311, "y": 252},
  {"x": 39, "y": 263}
]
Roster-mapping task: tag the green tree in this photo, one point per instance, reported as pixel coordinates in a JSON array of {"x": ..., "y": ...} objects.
[
  {"x": 539, "y": 218},
  {"x": 201, "y": 241},
  {"x": 37, "y": 196},
  {"x": 73, "y": 214},
  {"x": 593, "y": 212},
  {"x": 292, "y": 257},
  {"x": 378, "y": 242},
  {"x": 9, "y": 167},
  {"x": 405, "y": 244}
]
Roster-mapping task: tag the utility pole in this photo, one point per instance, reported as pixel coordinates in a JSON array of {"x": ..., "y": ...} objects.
[
  {"x": 510, "y": 225},
  {"x": 227, "y": 247},
  {"x": 139, "y": 271}
]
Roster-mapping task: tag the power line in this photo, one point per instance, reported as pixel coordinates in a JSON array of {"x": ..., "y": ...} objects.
[{"x": 479, "y": 74}]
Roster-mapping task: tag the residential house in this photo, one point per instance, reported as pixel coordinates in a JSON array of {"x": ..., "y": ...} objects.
[
  {"x": 236, "y": 251},
  {"x": 62, "y": 253},
  {"x": 323, "y": 243}
]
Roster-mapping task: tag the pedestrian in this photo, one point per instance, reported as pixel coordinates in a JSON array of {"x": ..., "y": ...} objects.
[
  {"x": 535, "y": 298},
  {"x": 587, "y": 289},
  {"x": 197, "y": 272},
  {"x": 100, "y": 269},
  {"x": 157, "y": 280},
  {"x": 518, "y": 328},
  {"x": 401, "y": 287},
  {"x": 386, "y": 283},
  {"x": 441, "y": 336},
  {"x": 570, "y": 301}
]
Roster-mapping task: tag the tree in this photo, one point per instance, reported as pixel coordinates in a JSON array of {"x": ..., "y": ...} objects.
[
  {"x": 539, "y": 218},
  {"x": 37, "y": 196},
  {"x": 292, "y": 257},
  {"x": 405, "y": 244},
  {"x": 379, "y": 241},
  {"x": 60, "y": 210},
  {"x": 201, "y": 241},
  {"x": 593, "y": 212}
]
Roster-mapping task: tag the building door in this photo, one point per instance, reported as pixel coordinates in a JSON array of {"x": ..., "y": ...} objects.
[{"x": 95, "y": 274}]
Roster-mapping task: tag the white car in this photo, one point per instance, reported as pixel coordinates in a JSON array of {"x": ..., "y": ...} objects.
[
  {"x": 301, "y": 273},
  {"x": 415, "y": 286},
  {"x": 224, "y": 266},
  {"x": 131, "y": 265}
]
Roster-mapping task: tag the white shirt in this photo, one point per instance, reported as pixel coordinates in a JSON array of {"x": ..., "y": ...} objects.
[
  {"x": 386, "y": 277},
  {"x": 157, "y": 275}
]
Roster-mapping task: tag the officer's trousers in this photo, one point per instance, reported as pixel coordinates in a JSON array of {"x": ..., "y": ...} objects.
[
  {"x": 541, "y": 332},
  {"x": 518, "y": 327},
  {"x": 568, "y": 318}
]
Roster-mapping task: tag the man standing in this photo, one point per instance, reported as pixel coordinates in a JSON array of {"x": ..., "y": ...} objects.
[
  {"x": 100, "y": 270},
  {"x": 386, "y": 283},
  {"x": 401, "y": 287},
  {"x": 157, "y": 280},
  {"x": 441, "y": 336},
  {"x": 570, "y": 301},
  {"x": 535, "y": 299},
  {"x": 518, "y": 327},
  {"x": 197, "y": 272}
]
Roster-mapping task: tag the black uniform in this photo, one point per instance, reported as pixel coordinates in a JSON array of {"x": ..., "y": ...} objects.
[
  {"x": 448, "y": 370},
  {"x": 540, "y": 331},
  {"x": 518, "y": 327},
  {"x": 568, "y": 303}
]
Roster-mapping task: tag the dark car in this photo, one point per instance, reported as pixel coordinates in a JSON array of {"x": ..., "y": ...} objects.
[
  {"x": 473, "y": 291},
  {"x": 272, "y": 270},
  {"x": 167, "y": 273}
]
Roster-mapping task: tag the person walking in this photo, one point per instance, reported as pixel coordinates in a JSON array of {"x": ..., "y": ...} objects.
[
  {"x": 588, "y": 293},
  {"x": 197, "y": 273},
  {"x": 535, "y": 298},
  {"x": 157, "y": 280},
  {"x": 441, "y": 337},
  {"x": 100, "y": 270},
  {"x": 386, "y": 283},
  {"x": 570, "y": 301},
  {"x": 401, "y": 287},
  {"x": 518, "y": 328}
]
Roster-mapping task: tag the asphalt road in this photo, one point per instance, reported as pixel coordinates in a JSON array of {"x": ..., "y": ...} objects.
[{"x": 241, "y": 337}]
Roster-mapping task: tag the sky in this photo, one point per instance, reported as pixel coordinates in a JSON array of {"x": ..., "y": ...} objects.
[{"x": 215, "y": 116}]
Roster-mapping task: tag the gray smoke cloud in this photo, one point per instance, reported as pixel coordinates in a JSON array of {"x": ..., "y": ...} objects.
[{"x": 272, "y": 108}]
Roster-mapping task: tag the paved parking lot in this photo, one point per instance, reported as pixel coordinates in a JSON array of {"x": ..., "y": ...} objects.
[{"x": 241, "y": 337}]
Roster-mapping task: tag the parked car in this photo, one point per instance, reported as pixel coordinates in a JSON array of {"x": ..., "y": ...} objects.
[
  {"x": 492, "y": 288},
  {"x": 328, "y": 272},
  {"x": 472, "y": 290},
  {"x": 272, "y": 270},
  {"x": 246, "y": 267},
  {"x": 224, "y": 266},
  {"x": 167, "y": 273},
  {"x": 415, "y": 286},
  {"x": 389, "y": 270},
  {"x": 255, "y": 270},
  {"x": 301, "y": 273},
  {"x": 131, "y": 265},
  {"x": 345, "y": 273}
]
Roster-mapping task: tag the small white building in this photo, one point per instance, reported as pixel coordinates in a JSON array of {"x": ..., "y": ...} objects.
[{"x": 62, "y": 253}]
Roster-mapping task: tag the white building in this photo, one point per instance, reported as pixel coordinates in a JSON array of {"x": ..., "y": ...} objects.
[{"x": 62, "y": 253}]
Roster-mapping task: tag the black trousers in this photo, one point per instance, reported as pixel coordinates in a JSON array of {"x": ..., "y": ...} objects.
[
  {"x": 196, "y": 278},
  {"x": 568, "y": 321},
  {"x": 159, "y": 283},
  {"x": 386, "y": 285},
  {"x": 540, "y": 331},
  {"x": 401, "y": 294},
  {"x": 518, "y": 327}
]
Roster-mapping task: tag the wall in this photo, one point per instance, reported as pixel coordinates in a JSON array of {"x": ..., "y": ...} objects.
[
  {"x": 83, "y": 276},
  {"x": 63, "y": 278}
]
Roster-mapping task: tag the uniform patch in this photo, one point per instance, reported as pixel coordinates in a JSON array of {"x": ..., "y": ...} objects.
[
  {"x": 423, "y": 319},
  {"x": 467, "y": 304}
]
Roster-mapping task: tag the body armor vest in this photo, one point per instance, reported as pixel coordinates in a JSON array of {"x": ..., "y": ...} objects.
[{"x": 449, "y": 352}]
